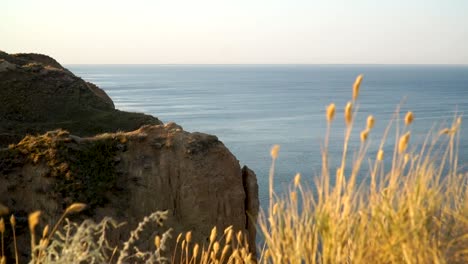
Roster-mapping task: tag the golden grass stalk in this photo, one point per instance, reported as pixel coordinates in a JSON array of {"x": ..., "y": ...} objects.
[
  {"x": 195, "y": 250},
  {"x": 409, "y": 118},
  {"x": 370, "y": 122},
  {"x": 348, "y": 113},
  {"x": 274, "y": 151},
  {"x": 356, "y": 86},
  {"x": 45, "y": 232},
  {"x": 157, "y": 241},
  {"x": 188, "y": 237},
  {"x": 403, "y": 142},
  {"x": 213, "y": 234},
  {"x": 75, "y": 208},
  {"x": 13, "y": 227},
  {"x": 331, "y": 112},
  {"x": 364, "y": 135},
  {"x": 228, "y": 234},
  {"x": 274, "y": 155},
  {"x": 33, "y": 220},
  {"x": 380, "y": 155}
]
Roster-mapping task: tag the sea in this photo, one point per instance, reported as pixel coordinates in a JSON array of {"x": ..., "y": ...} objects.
[{"x": 250, "y": 108}]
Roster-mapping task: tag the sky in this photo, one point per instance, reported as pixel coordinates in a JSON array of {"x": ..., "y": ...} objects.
[{"x": 238, "y": 31}]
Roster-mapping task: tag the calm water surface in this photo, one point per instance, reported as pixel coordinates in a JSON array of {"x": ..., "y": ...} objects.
[{"x": 250, "y": 108}]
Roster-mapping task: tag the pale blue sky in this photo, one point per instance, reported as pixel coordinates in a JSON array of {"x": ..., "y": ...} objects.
[{"x": 238, "y": 31}]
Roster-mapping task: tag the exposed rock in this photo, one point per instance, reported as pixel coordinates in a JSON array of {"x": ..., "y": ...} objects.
[
  {"x": 37, "y": 95},
  {"x": 193, "y": 175},
  {"x": 125, "y": 175},
  {"x": 252, "y": 204}
]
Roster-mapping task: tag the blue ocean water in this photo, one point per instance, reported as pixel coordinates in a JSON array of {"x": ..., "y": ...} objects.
[{"x": 252, "y": 107}]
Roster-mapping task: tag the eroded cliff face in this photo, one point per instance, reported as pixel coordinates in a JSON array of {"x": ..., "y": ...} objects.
[
  {"x": 37, "y": 95},
  {"x": 129, "y": 175},
  {"x": 125, "y": 175}
]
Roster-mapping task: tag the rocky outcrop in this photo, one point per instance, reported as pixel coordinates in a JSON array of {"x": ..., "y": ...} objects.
[
  {"x": 129, "y": 175},
  {"x": 37, "y": 95},
  {"x": 125, "y": 175}
]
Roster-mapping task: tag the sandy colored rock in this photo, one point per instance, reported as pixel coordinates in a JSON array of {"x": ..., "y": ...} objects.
[{"x": 160, "y": 167}]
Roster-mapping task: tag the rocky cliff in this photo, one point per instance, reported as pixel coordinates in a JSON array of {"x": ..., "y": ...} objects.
[
  {"x": 125, "y": 175},
  {"x": 37, "y": 95}
]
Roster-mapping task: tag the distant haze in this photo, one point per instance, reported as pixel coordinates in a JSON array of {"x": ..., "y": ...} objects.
[{"x": 238, "y": 31}]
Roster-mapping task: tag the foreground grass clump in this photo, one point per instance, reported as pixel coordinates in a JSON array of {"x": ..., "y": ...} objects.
[
  {"x": 414, "y": 210},
  {"x": 409, "y": 205}
]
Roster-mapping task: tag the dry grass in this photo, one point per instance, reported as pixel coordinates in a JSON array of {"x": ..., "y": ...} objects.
[
  {"x": 414, "y": 210},
  {"x": 228, "y": 247}
]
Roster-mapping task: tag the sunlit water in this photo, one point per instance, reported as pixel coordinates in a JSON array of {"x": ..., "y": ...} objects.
[{"x": 250, "y": 108}]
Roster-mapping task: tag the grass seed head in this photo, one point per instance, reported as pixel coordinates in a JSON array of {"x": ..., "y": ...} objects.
[
  {"x": 195, "y": 250},
  {"x": 348, "y": 113},
  {"x": 157, "y": 241},
  {"x": 33, "y": 220},
  {"x": 409, "y": 117},
  {"x": 213, "y": 234},
  {"x": 239, "y": 237},
  {"x": 216, "y": 247},
  {"x": 370, "y": 122},
  {"x": 229, "y": 236},
  {"x": 380, "y": 155},
  {"x": 188, "y": 236},
  {"x": 357, "y": 84},
  {"x": 227, "y": 229},
  {"x": 45, "y": 232},
  {"x": 274, "y": 151},
  {"x": 75, "y": 208},
  {"x": 331, "y": 112},
  {"x": 403, "y": 143},
  {"x": 364, "y": 135},
  {"x": 13, "y": 220}
]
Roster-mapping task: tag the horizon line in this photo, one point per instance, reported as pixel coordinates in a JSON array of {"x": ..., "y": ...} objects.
[{"x": 274, "y": 64}]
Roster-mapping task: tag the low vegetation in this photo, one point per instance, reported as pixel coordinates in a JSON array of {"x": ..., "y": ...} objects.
[
  {"x": 413, "y": 209},
  {"x": 83, "y": 171}
]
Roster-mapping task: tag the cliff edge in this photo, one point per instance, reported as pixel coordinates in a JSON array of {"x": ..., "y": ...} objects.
[
  {"x": 38, "y": 95},
  {"x": 50, "y": 120}
]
